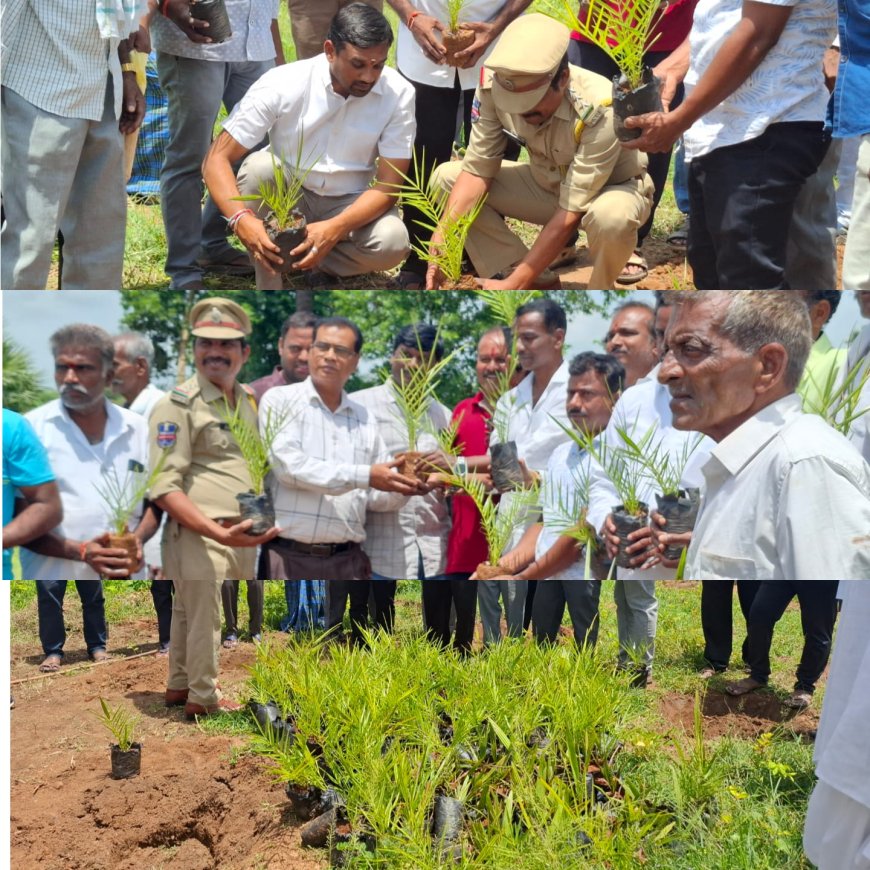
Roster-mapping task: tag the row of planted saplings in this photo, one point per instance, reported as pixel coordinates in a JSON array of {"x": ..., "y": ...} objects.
[{"x": 324, "y": 811}]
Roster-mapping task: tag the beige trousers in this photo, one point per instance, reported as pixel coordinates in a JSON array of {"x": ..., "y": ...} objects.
[
  {"x": 610, "y": 222},
  {"x": 310, "y": 19},
  {"x": 198, "y": 567},
  {"x": 376, "y": 247}
]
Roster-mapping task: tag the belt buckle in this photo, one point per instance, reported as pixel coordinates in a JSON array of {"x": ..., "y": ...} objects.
[{"x": 321, "y": 549}]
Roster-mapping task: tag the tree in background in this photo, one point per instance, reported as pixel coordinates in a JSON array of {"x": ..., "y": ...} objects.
[
  {"x": 22, "y": 387},
  {"x": 380, "y": 314}
]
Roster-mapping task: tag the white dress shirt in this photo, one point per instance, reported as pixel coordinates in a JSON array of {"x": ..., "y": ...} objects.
[
  {"x": 860, "y": 434},
  {"x": 321, "y": 464},
  {"x": 786, "y": 498},
  {"x": 561, "y": 489},
  {"x": 396, "y": 541},
  {"x": 144, "y": 403},
  {"x": 78, "y": 466},
  {"x": 785, "y": 87},
  {"x": 644, "y": 406},
  {"x": 842, "y": 750},
  {"x": 250, "y": 21},
  {"x": 416, "y": 66},
  {"x": 535, "y": 430},
  {"x": 341, "y": 136}
]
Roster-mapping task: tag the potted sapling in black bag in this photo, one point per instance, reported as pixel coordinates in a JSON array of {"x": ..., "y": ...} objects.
[
  {"x": 126, "y": 754},
  {"x": 255, "y": 446},
  {"x": 215, "y": 13},
  {"x": 621, "y": 29},
  {"x": 677, "y": 505},
  {"x": 285, "y": 225},
  {"x": 504, "y": 457}
]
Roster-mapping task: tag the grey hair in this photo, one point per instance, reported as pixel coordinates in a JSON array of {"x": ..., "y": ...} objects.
[
  {"x": 136, "y": 345},
  {"x": 84, "y": 335},
  {"x": 759, "y": 317}
]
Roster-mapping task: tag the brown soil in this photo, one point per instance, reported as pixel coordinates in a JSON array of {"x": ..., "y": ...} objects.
[
  {"x": 199, "y": 802},
  {"x": 411, "y": 465},
  {"x": 668, "y": 269},
  {"x": 454, "y": 42},
  {"x": 485, "y": 571},
  {"x": 747, "y": 716}
]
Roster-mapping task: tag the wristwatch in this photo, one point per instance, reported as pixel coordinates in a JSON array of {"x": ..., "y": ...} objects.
[
  {"x": 460, "y": 466},
  {"x": 128, "y": 67}
]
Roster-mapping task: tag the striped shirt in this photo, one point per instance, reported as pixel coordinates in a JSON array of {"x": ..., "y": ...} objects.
[
  {"x": 55, "y": 58},
  {"x": 321, "y": 462},
  {"x": 396, "y": 541},
  {"x": 250, "y": 21}
]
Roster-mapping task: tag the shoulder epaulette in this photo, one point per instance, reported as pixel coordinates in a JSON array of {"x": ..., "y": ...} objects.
[
  {"x": 485, "y": 78},
  {"x": 183, "y": 393},
  {"x": 588, "y": 115}
]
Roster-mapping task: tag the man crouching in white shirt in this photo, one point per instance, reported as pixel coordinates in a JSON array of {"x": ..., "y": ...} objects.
[
  {"x": 786, "y": 497},
  {"x": 351, "y": 121}
]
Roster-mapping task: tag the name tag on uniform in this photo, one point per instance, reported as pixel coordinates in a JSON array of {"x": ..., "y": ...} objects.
[{"x": 167, "y": 434}]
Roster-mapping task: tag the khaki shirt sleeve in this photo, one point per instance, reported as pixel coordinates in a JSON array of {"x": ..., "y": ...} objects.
[
  {"x": 594, "y": 161},
  {"x": 169, "y": 434},
  {"x": 488, "y": 140}
]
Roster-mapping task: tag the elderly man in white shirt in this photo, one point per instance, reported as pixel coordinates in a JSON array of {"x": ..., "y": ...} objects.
[
  {"x": 786, "y": 497},
  {"x": 641, "y": 409},
  {"x": 530, "y": 415},
  {"x": 409, "y": 543},
  {"x": 330, "y": 466},
  {"x": 351, "y": 120},
  {"x": 86, "y": 438}
]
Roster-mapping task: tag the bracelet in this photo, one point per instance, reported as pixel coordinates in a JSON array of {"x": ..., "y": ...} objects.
[
  {"x": 232, "y": 222},
  {"x": 411, "y": 18},
  {"x": 83, "y": 551},
  {"x": 161, "y": 7}
]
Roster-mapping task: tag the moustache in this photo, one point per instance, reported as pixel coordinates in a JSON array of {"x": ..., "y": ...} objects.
[
  {"x": 213, "y": 359},
  {"x": 67, "y": 389}
]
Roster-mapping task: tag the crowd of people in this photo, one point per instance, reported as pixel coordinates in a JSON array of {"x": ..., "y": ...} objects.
[
  {"x": 752, "y": 96},
  {"x": 725, "y": 383}
]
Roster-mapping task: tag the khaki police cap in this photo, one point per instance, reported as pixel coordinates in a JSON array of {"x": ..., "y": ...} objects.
[
  {"x": 525, "y": 59},
  {"x": 219, "y": 318}
]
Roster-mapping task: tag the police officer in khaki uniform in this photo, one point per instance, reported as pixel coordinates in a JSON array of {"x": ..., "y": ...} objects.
[
  {"x": 578, "y": 176},
  {"x": 204, "y": 542}
]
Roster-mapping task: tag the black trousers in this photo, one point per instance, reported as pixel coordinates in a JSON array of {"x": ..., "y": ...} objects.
[
  {"x": 591, "y": 57},
  {"x": 818, "y": 605},
  {"x": 230, "y": 600},
  {"x": 455, "y": 590},
  {"x": 716, "y": 622},
  {"x": 741, "y": 199},
  {"x": 161, "y": 595}
]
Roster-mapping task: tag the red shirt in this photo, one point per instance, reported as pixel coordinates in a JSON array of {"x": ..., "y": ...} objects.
[
  {"x": 466, "y": 545},
  {"x": 264, "y": 384},
  {"x": 673, "y": 27}
]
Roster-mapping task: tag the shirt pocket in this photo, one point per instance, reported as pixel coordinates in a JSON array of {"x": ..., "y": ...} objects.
[
  {"x": 716, "y": 567},
  {"x": 216, "y": 440}
]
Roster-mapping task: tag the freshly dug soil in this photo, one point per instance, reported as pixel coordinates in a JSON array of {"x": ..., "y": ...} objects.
[{"x": 454, "y": 42}]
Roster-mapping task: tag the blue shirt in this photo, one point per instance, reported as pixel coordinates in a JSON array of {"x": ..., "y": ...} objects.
[
  {"x": 851, "y": 106},
  {"x": 25, "y": 463}
]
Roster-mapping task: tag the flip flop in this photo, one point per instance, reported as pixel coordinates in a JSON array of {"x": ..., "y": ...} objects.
[
  {"x": 627, "y": 278},
  {"x": 743, "y": 687},
  {"x": 230, "y": 642},
  {"x": 51, "y": 664},
  {"x": 679, "y": 238},
  {"x": 99, "y": 655},
  {"x": 798, "y": 701}
]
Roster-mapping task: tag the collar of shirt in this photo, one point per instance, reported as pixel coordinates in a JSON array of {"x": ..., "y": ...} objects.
[
  {"x": 322, "y": 71},
  {"x": 346, "y": 406},
  {"x": 116, "y": 425},
  {"x": 523, "y": 390},
  {"x": 739, "y": 448},
  {"x": 213, "y": 393}
]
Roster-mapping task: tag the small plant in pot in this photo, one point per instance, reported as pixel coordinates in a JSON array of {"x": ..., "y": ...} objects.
[
  {"x": 456, "y": 38},
  {"x": 504, "y": 457},
  {"x": 122, "y": 496},
  {"x": 285, "y": 225},
  {"x": 255, "y": 446},
  {"x": 453, "y": 230},
  {"x": 414, "y": 392},
  {"x": 677, "y": 505},
  {"x": 497, "y": 521},
  {"x": 126, "y": 754},
  {"x": 622, "y": 29}
]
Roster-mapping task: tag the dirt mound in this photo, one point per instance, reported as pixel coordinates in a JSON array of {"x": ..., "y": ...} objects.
[
  {"x": 746, "y": 716},
  {"x": 199, "y": 802}
]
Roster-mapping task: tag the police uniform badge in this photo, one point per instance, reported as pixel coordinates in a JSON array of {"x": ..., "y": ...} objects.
[
  {"x": 166, "y": 434},
  {"x": 475, "y": 110}
]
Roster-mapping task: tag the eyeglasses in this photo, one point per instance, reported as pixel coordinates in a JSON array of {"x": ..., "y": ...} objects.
[{"x": 344, "y": 353}]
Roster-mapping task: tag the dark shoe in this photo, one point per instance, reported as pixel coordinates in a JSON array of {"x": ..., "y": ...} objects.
[
  {"x": 798, "y": 700},
  {"x": 225, "y": 705},
  {"x": 176, "y": 697}
]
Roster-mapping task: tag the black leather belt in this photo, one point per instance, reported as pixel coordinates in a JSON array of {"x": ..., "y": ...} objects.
[{"x": 320, "y": 550}]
